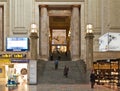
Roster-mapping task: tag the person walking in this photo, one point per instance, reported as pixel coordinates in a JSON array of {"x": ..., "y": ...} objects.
[
  {"x": 51, "y": 57},
  {"x": 56, "y": 64},
  {"x": 66, "y": 70},
  {"x": 92, "y": 79}
]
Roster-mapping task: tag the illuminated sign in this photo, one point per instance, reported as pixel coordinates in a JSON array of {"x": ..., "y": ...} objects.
[
  {"x": 19, "y": 61},
  {"x": 12, "y": 55},
  {"x": 17, "y": 44},
  {"x": 5, "y": 61}
]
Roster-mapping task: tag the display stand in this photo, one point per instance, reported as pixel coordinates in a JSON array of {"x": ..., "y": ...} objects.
[
  {"x": 107, "y": 72},
  {"x": 12, "y": 81}
]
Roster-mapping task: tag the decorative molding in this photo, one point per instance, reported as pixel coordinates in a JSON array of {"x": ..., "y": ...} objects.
[
  {"x": 115, "y": 27},
  {"x": 60, "y": 3},
  {"x": 60, "y": 0},
  {"x": 106, "y": 55},
  {"x": 97, "y": 32},
  {"x": 3, "y": 0},
  {"x": 76, "y": 5},
  {"x": 18, "y": 13},
  {"x": 20, "y": 31}
]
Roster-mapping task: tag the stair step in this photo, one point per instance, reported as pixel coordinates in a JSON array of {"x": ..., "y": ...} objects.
[{"x": 52, "y": 76}]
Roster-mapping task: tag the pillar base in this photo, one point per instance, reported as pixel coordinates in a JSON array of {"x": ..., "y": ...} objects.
[
  {"x": 32, "y": 75},
  {"x": 88, "y": 72}
]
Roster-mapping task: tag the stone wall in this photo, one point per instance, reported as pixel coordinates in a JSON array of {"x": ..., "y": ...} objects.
[
  {"x": 20, "y": 17},
  {"x": 106, "y": 55}
]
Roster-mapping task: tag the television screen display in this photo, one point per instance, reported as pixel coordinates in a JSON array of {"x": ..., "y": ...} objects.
[{"x": 17, "y": 44}]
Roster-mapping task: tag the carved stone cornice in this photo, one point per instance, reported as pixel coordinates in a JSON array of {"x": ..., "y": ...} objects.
[
  {"x": 76, "y": 5},
  {"x": 43, "y": 5},
  {"x": 89, "y": 35},
  {"x": 33, "y": 35}
]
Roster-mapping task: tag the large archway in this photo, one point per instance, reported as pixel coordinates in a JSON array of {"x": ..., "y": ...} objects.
[
  {"x": 59, "y": 24},
  {"x": 62, "y": 25}
]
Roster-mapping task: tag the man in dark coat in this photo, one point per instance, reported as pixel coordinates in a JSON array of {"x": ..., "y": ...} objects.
[
  {"x": 92, "y": 79},
  {"x": 66, "y": 69}
]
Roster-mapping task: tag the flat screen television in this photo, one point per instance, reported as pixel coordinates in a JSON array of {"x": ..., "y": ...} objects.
[{"x": 17, "y": 44}]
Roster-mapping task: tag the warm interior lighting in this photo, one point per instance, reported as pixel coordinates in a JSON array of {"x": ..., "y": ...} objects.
[
  {"x": 89, "y": 28},
  {"x": 33, "y": 28},
  {"x": 69, "y": 33}
]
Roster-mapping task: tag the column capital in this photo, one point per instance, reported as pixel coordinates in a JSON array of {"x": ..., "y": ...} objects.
[
  {"x": 76, "y": 5},
  {"x": 33, "y": 35},
  {"x": 43, "y": 5},
  {"x": 89, "y": 35}
]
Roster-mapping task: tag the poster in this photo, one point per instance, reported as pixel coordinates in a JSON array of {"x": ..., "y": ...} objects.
[{"x": 109, "y": 42}]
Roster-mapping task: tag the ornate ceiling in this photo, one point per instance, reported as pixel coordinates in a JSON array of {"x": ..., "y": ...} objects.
[
  {"x": 59, "y": 22},
  {"x": 59, "y": 17}
]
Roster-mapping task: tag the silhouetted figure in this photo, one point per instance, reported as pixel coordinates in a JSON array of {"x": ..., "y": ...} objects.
[
  {"x": 56, "y": 64},
  {"x": 66, "y": 70},
  {"x": 51, "y": 57},
  {"x": 92, "y": 79}
]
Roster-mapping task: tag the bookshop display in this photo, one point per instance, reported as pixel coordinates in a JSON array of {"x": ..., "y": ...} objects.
[{"x": 107, "y": 71}]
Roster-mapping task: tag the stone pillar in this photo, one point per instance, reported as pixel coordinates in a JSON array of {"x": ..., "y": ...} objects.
[
  {"x": 44, "y": 37},
  {"x": 32, "y": 65},
  {"x": 75, "y": 21},
  {"x": 89, "y": 54},
  {"x": 1, "y": 29},
  {"x": 89, "y": 50},
  {"x": 33, "y": 45}
]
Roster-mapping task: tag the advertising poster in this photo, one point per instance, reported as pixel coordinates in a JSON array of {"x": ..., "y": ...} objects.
[{"x": 109, "y": 42}]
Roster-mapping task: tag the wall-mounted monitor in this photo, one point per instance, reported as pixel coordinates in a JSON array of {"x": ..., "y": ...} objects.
[{"x": 17, "y": 44}]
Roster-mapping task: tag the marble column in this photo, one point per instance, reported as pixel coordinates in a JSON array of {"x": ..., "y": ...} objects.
[
  {"x": 44, "y": 37},
  {"x": 33, "y": 46},
  {"x": 75, "y": 21},
  {"x": 89, "y": 54},
  {"x": 89, "y": 50},
  {"x": 1, "y": 30}
]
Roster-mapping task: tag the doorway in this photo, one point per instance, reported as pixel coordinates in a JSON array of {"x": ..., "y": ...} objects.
[
  {"x": 59, "y": 36},
  {"x": 60, "y": 17}
]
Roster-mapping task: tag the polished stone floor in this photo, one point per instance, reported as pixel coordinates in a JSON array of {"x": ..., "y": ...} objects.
[{"x": 57, "y": 87}]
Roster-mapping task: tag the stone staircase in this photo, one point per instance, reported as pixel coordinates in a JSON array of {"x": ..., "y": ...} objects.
[{"x": 48, "y": 75}]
